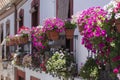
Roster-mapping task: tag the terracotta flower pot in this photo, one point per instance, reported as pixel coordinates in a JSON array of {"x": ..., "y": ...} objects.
[
  {"x": 25, "y": 40},
  {"x": 54, "y": 35},
  {"x": 12, "y": 40},
  {"x": 69, "y": 33},
  {"x": 7, "y": 43}
]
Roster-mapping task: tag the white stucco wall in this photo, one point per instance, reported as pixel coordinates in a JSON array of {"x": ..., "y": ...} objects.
[
  {"x": 11, "y": 18},
  {"x": 9, "y": 72},
  {"x": 27, "y": 15},
  {"x": 79, "y": 5},
  {"x": 47, "y": 9}
]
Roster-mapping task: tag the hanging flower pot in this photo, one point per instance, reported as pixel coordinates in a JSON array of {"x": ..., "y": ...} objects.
[
  {"x": 117, "y": 23},
  {"x": 69, "y": 33},
  {"x": 7, "y": 43},
  {"x": 16, "y": 40},
  {"x": 52, "y": 27},
  {"x": 19, "y": 40},
  {"x": 12, "y": 41},
  {"x": 54, "y": 35},
  {"x": 25, "y": 39},
  {"x": 69, "y": 28}
]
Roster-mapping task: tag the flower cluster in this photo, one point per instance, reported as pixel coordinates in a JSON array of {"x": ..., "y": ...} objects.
[
  {"x": 24, "y": 31},
  {"x": 53, "y": 24},
  {"x": 75, "y": 17},
  {"x": 93, "y": 32},
  {"x": 113, "y": 9},
  {"x": 69, "y": 24},
  {"x": 38, "y": 38}
]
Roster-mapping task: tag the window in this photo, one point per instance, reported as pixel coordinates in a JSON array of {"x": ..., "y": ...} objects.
[
  {"x": 8, "y": 28},
  {"x": 21, "y": 16},
  {"x": 66, "y": 7},
  {"x": 35, "y": 12},
  {"x": 7, "y": 34},
  {"x": 21, "y": 23},
  {"x": 1, "y": 32}
]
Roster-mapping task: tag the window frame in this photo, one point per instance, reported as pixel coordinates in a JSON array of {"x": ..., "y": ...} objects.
[{"x": 35, "y": 4}]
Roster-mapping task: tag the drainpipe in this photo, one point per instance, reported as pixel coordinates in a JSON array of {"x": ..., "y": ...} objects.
[{"x": 15, "y": 31}]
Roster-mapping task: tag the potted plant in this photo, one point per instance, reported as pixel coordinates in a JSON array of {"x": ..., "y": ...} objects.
[
  {"x": 27, "y": 59},
  {"x": 75, "y": 18},
  {"x": 56, "y": 64},
  {"x": 24, "y": 32},
  {"x": 62, "y": 64},
  {"x": 113, "y": 15},
  {"x": 52, "y": 26},
  {"x": 89, "y": 18},
  {"x": 7, "y": 41},
  {"x": 39, "y": 38},
  {"x": 69, "y": 29},
  {"x": 89, "y": 70}
]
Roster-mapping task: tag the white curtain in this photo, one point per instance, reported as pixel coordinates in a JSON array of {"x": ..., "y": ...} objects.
[{"x": 63, "y": 7}]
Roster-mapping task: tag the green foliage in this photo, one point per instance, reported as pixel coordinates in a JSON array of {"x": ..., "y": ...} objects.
[
  {"x": 56, "y": 63},
  {"x": 62, "y": 64},
  {"x": 69, "y": 25},
  {"x": 7, "y": 38},
  {"x": 89, "y": 70},
  {"x": 24, "y": 35}
]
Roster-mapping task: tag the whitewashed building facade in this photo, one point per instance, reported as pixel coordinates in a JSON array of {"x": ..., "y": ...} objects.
[{"x": 32, "y": 13}]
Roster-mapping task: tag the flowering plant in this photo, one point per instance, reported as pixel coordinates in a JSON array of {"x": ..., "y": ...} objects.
[
  {"x": 24, "y": 31},
  {"x": 53, "y": 24},
  {"x": 8, "y": 40},
  {"x": 27, "y": 59},
  {"x": 111, "y": 9},
  {"x": 89, "y": 70},
  {"x": 93, "y": 29},
  {"x": 91, "y": 18},
  {"x": 62, "y": 63},
  {"x": 99, "y": 38},
  {"x": 69, "y": 24},
  {"x": 39, "y": 40}
]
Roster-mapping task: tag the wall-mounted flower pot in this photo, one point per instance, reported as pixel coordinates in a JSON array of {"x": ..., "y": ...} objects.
[
  {"x": 54, "y": 35},
  {"x": 7, "y": 43},
  {"x": 69, "y": 33},
  {"x": 24, "y": 40}
]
